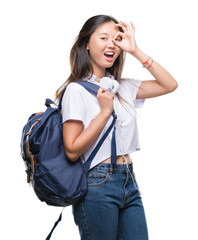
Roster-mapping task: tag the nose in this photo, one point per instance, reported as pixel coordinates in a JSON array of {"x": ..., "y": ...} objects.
[{"x": 110, "y": 43}]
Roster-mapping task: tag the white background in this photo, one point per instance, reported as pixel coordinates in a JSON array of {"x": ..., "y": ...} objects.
[{"x": 36, "y": 38}]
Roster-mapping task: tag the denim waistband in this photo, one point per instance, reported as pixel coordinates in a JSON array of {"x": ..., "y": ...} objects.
[
  {"x": 114, "y": 167},
  {"x": 117, "y": 168}
]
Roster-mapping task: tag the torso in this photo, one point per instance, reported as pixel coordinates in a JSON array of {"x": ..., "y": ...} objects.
[{"x": 120, "y": 159}]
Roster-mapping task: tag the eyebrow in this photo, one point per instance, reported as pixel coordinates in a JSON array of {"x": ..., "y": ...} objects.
[{"x": 103, "y": 34}]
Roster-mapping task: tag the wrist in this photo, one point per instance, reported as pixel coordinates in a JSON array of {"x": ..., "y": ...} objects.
[
  {"x": 140, "y": 55},
  {"x": 146, "y": 60},
  {"x": 148, "y": 63},
  {"x": 105, "y": 114}
]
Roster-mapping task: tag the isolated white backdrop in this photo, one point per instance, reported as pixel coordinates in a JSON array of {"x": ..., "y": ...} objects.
[{"x": 36, "y": 38}]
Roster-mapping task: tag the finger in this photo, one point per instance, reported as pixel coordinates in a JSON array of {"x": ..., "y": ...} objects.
[
  {"x": 104, "y": 91},
  {"x": 101, "y": 90},
  {"x": 117, "y": 35},
  {"x": 132, "y": 25},
  {"x": 117, "y": 41},
  {"x": 126, "y": 25}
]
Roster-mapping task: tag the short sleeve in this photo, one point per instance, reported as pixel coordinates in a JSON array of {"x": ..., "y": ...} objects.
[
  {"x": 132, "y": 86},
  {"x": 73, "y": 103}
]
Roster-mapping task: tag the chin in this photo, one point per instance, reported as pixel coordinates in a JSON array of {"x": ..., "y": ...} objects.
[{"x": 109, "y": 65}]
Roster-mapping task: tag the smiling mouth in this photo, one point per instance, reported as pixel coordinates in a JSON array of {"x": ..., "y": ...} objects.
[{"x": 109, "y": 56}]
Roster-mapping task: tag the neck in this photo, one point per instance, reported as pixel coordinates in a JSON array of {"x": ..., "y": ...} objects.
[{"x": 99, "y": 73}]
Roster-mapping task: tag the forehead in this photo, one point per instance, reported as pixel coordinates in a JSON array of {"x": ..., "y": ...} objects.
[{"x": 107, "y": 28}]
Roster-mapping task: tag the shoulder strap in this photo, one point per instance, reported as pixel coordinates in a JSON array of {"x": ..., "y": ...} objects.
[
  {"x": 55, "y": 225},
  {"x": 93, "y": 88}
]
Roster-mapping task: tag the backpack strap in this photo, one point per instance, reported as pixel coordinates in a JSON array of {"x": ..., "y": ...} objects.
[
  {"x": 113, "y": 144},
  {"x": 93, "y": 88},
  {"x": 55, "y": 225}
]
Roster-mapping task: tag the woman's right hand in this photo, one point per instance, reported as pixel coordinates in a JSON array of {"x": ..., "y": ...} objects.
[{"x": 105, "y": 99}]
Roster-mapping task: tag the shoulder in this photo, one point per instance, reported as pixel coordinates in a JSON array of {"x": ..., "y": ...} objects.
[
  {"x": 75, "y": 90},
  {"x": 74, "y": 94},
  {"x": 74, "y": 87}
]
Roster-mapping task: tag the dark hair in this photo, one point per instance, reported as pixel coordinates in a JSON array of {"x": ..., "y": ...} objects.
[{"x": 79, "y": 56}]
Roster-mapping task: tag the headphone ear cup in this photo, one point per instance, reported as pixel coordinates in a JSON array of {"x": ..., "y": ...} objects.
[
  {"x": 106, "y": 83},
  {"x": 115, "y": 87},
  {"x": 109, "y": 84}
]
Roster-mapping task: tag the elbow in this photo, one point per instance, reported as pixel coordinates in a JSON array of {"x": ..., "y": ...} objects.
[
  {"x": 70, "y": 153},
  {"x": 173, "y": 87},
  {"x": 71, "y": 156}
]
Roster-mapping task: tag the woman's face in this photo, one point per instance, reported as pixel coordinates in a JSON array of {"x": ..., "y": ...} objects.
[{"x": 102, "y": 50}]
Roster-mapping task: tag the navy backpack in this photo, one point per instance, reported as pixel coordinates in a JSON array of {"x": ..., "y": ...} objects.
[{"x": 55, "y": 179}]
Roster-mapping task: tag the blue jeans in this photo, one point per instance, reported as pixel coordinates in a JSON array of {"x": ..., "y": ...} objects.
[{"x": 112, "y": 209}]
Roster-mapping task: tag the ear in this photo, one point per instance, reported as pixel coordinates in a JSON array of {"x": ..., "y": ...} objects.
[{"x": 87, "y": 46}]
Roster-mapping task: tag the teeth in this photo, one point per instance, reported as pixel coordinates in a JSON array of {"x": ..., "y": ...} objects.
[{"x": 109, "y": 53}]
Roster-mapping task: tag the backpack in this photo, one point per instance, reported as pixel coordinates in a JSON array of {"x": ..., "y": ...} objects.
[{"x": 56, "y": 180}]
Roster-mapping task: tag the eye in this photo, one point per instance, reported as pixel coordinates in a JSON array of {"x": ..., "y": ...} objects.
[
  {"x": 103, "y": 38},
  {"x": 119, "y": 39}
]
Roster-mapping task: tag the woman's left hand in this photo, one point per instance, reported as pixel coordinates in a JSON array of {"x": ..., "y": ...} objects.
[{"x": 128, "y": 42}]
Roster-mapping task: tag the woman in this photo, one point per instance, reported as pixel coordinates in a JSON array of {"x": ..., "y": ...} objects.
[{"x": 112, "y": 208}]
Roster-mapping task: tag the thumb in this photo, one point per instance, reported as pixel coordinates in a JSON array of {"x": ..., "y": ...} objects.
[{"x": 116, "y": 42}]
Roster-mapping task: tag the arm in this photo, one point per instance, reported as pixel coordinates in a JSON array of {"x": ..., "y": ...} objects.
[
  {"x": 77, "y": 142},
  {"x": 163, "y": 84}
]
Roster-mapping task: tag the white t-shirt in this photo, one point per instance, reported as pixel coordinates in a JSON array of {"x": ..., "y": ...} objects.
[{"x": 80, "y": 104}]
